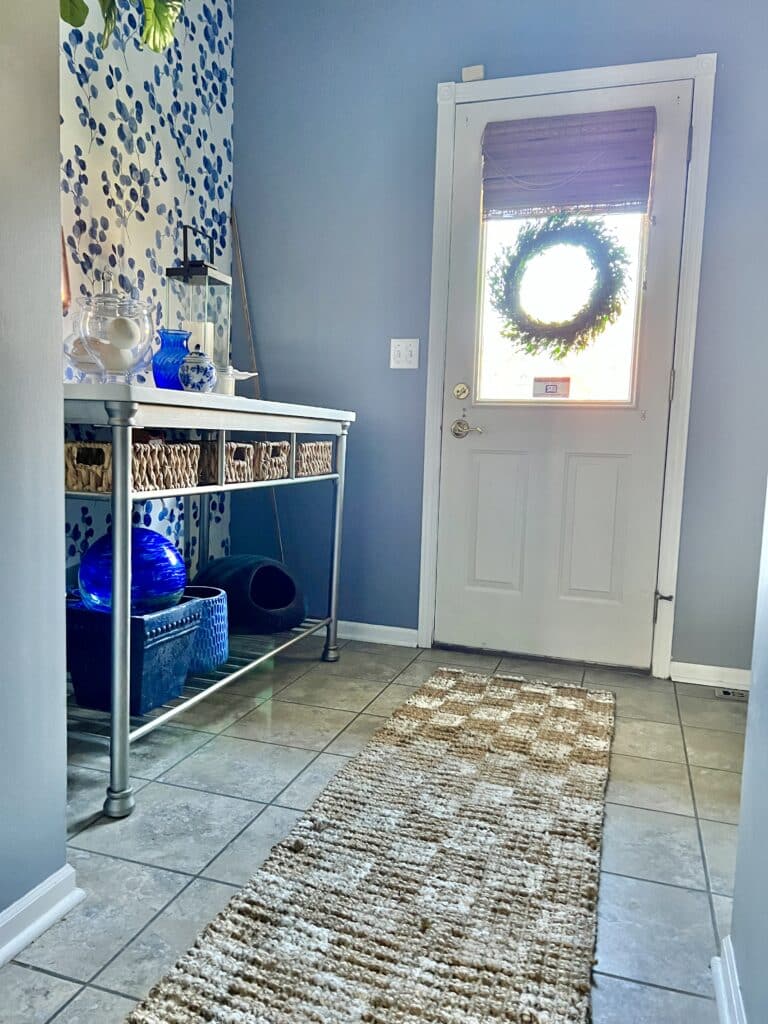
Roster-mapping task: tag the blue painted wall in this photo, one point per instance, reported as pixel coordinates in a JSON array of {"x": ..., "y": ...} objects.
[{"x": 335, "y": 133}]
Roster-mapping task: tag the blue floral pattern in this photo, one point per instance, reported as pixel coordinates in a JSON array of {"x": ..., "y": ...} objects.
[{"x": 146, "y": 144}]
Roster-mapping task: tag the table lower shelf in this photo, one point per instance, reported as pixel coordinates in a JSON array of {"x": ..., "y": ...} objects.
[{"x": 247, "y": 652}]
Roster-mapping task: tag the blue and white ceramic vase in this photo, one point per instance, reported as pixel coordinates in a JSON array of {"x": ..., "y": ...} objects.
[
  {"x": 211, "y": 643},
  {"x": 197, "y": 372},
  {"x": 167, "y": 361}
]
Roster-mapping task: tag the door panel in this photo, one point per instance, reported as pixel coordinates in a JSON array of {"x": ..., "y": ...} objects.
[{"x": 549, "y": 519}]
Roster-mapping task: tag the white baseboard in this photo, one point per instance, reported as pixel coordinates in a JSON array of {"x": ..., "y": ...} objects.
[
  {"x": 37, "y": 910},
  {"x": 401, "y": 636},
  {"x": 710, "y": 675},
  {"x": 725, "y": 977}
]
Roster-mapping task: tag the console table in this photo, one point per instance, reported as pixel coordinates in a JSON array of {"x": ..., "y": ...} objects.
[{"x": 123, "y": 407}]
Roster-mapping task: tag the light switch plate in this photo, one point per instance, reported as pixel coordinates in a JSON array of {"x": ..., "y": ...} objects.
[{"x": 404, "y": 353}]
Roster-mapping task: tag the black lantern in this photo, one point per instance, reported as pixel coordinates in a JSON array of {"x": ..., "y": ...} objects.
[{"x": 199, "y": 300}]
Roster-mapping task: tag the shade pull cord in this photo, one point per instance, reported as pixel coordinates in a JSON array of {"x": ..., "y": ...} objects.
[{"x": 240, "y": 272}]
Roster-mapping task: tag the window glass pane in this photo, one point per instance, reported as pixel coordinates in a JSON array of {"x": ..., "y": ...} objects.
[{"x": 555, "y": 287}]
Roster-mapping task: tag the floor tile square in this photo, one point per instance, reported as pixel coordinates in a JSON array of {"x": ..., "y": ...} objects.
[
  {"x": 718, "y": 794},
  {"x": 29, "y": 996},
  {"x": 655, "y": 933},
  {"x": 655, "y": 785},
  {"x": 647, "y": 704},
  {"x": 390, "y": 699},
  {"x": 269, "y": 678},
  {"x": 356, "y": 735},
  {"x": 471, "y": 660},
  {"x": 723, "y": 906},
  {"x": 245, "y": 769},
  {"x": 726, "y": 716},
  {"x": 95, "y": 1007},
  {"x": 292, "y": 725},
  {"x": 325, "y": 689},
  {"x": 720, "y": 854},
  {"x": 397, "y": 656},
  {"x": 625, "y": 1002},
  {"x": 653, "y": 845},
  {"x": 597, "y": 678},
  {"x": 711, "y": 748},
  {"x": 216, "y": 712},
  {"x": 152, "y": 755},
  {"x": 86, "y": 791},
  {"x": 418, "y": 672},
  {"x": 657, "y": 740},
  {"x": 696, "y": 690},
  {"x": 245, "y": 854},
  {"x": 170, "y": 827},
  {"x": 303, "y": 791},
  {"x": 120, "y": 898},
  {"x": 533, "y": 668},
  {"x": 157, "y": 948},
  {"x": 353, "y": 664}
]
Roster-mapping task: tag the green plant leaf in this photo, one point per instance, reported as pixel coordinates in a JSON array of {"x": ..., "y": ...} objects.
[
  {"x": 109, "y": 11},
  {"x": 74, "y": 12},
  {"x": 160, "y": 17}
]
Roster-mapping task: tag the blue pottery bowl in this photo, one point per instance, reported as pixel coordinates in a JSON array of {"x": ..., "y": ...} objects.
[
  {"x": 211, "y": 644},
  {"x": 158, "y": 573}
]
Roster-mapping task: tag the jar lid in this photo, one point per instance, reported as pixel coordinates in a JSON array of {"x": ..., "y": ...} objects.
[{"x": 110, "y": 303}]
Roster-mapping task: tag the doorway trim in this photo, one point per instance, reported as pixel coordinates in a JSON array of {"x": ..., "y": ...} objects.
[{"x": 701, "y": 69}]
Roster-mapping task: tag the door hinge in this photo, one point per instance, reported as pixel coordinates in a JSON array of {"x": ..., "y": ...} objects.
[
  {"x": 660, "y": 597},
  {"x": 690, "y": 142},
  {"x": 671, "y": 384}
]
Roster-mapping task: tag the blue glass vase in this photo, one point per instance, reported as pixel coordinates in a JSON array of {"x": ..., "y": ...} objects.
[
  {"x": 158, "y": 573},
  {"x": 167, "y": 361}
]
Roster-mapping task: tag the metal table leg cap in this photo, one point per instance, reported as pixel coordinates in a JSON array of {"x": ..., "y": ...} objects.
[
  {"x": 331, "y": 653},
  {"x": 119, "y": 804}
]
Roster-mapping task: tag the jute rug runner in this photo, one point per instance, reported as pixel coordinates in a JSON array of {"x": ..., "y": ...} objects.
[{"x": 447, "y": 875}]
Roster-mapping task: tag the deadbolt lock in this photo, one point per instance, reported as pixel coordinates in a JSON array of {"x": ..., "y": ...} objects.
[
  {"x": 461, "y": 391},
  {"x": 460, "y": 428}
]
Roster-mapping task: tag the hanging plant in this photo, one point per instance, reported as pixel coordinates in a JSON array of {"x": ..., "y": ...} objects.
[
  {"x": 160, "y": 17},
  {"x": 609, "y": 261}
]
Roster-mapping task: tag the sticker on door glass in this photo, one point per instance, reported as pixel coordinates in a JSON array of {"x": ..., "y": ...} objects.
[{"x": 551, "y": 387}]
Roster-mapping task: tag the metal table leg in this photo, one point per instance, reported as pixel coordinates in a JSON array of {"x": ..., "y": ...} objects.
[
  {"x": 120, "y": 800},
  {"x": 331, "y": 650}
]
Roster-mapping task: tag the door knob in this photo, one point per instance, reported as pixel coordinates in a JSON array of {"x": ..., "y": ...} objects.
[{"x": 460, "y": 428}]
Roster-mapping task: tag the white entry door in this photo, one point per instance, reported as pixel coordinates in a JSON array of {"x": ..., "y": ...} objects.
[{"x": 549, "y": 514}]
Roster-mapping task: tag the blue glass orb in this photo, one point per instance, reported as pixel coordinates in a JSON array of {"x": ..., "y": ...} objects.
[{"x": 158, "y": 573}]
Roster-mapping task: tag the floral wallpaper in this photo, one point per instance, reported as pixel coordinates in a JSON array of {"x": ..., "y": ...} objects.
[{"x": 146, "y": 145}]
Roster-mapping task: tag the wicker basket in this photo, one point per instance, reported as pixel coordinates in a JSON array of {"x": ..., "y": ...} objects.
[
  {"x": 155, "y": 466},
  {"x": 314, "y": 458},
  {"x": 270, "y": 460},
  {"x": 238, "y": 462}
]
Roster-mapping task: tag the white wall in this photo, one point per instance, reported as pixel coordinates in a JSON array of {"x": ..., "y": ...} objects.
[{"x": 32, "y": 690}]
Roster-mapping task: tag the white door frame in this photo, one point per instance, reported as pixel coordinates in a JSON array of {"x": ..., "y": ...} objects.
[{"x": 451, "y": 94}]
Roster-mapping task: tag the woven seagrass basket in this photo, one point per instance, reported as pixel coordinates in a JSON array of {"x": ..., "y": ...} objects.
[
  {"x": 314, "y": 458},
  {"x": 271, "y": 459},
  {"x": 155, "y": 465},
  {"x": 238, "y": 462}
]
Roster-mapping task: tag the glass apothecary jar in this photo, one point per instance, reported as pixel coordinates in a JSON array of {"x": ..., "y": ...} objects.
[{"x": 116, "y": 330}]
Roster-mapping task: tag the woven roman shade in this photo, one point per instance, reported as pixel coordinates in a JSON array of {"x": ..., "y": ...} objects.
[{"x": 600, "y": 161}]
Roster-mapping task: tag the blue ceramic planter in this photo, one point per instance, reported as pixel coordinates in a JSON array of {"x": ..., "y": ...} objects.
[
  {"x": 161, "y": 651},
  {"x": 211, "y": 644},
  {"x": 167, "y": 361},
  {"x": 158, "y": 573}
]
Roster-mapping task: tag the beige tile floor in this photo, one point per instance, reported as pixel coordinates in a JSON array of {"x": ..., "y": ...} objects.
[{"x": 229, "y": 779}]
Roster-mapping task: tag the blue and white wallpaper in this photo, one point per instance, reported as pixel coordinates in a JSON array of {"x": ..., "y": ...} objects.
[{"x": 146, "y": 145}]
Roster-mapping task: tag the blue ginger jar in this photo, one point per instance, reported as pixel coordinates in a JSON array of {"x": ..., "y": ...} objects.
[
  {"x": 197, "y": 372},
  {"x": 167, "y": 361}
]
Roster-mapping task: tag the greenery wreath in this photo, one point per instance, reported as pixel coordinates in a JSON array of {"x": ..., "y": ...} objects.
[{"x": 609, "y": 260}]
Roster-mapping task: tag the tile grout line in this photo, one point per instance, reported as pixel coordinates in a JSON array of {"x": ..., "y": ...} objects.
[
  {"x": 653, "y": 984},
  {"x": 702, "y": 849}
]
